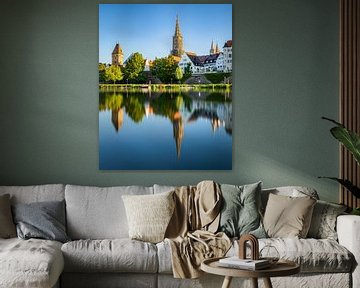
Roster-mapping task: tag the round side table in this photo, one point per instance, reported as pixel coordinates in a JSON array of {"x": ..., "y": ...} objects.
[{"x": 281, "y": 268}]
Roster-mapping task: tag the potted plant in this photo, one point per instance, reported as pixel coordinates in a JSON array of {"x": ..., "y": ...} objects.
[{"x": 351, "y": 141}]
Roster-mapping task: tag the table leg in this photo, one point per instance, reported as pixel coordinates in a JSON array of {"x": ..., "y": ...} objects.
[
  {"x": 254, "y": 282},
  {"x": 227, "y": 282},
  {"x": 267, "y": 283}
]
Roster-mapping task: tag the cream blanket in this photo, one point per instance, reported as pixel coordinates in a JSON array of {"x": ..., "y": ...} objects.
[{"x": 191, "y": 231}]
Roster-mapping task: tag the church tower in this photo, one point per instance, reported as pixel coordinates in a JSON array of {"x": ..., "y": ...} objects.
[
  {"x": 117, "y": 56},
  {"x": 217, "y": 50},
  {"x": 212, "y": 48},
  {"x": 178, "y": 48}
]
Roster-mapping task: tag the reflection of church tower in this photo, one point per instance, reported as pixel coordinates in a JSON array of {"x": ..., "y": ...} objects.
[
  {"x": 117, "y": 118},
  {"x": 178, "y": 129},
  {"x": 178, "y": 48},
  {"x": 117, "y": 56}
]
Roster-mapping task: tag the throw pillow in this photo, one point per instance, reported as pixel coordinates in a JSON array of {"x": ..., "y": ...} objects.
[
  {"x": 323, "y": 222},
  {"x": 240, "y": 213},
  {"x": 44, "y": 220},
  {"x": 288, "y": 217},
  {"x": 149, "y": 215},
  {"x": 7, "y": 227}
]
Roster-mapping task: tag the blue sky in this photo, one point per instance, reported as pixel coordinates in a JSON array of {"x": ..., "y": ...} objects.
[{"x": 148, "y": 28}]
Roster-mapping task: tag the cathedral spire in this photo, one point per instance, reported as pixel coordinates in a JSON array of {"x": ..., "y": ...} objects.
[
  {"x": 212, "y": 47},
  {"x": 177, "y": 26},
  {"x": 217, "y": 50},
  {"x": 178, "y": 48}
]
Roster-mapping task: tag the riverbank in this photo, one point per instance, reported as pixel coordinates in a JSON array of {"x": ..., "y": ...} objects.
[{"x": 165, "y": 87}]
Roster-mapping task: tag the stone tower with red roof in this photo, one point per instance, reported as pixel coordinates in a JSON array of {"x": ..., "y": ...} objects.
[{"x": 117, "y": 56}]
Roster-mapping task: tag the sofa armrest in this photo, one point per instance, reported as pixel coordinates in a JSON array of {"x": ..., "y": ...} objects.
[{"x": 348, "y": 230}]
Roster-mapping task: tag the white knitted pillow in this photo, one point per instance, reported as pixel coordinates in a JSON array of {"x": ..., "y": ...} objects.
[{"x": 149, "y": 215}]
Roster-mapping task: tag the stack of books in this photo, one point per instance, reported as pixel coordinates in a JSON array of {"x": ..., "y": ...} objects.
[{"x": 248, "y": 264}]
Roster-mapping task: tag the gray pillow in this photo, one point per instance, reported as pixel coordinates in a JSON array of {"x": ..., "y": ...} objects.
[
  {"x": 240, "y": 213},
  {"x": 7, "y": 227},
  {"x": 323, "y": 222},
  {"x": 44, "y": 220}
]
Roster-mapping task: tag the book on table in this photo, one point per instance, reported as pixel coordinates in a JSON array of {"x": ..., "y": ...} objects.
[{"x": 236, "y": 262}]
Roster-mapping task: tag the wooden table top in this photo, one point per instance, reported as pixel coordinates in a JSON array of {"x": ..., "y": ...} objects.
[{"x": 281, "y": 268}]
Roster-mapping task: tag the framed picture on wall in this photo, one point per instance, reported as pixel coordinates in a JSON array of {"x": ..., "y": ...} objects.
[{"x": 165, "y": 86}]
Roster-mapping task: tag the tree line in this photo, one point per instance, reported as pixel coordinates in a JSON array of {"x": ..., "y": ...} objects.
[{"x": 165, "y": 69}]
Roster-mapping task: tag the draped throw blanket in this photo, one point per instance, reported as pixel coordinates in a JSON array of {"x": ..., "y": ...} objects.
[{"x": 191, "y": 231}]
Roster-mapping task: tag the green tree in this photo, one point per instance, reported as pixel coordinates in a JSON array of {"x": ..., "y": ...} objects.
[
  {"x": 164, "y": 69},
  {"x": 110, "y": 101},
  {"x": 134, "y": 107},
  {"x": 178, "y": 73},
  {"x": 113, "y": 73},
  {"x": 187, "y": 72},
  {"x": 102, "y": 68},
  {"x": 134, "y": 67}
]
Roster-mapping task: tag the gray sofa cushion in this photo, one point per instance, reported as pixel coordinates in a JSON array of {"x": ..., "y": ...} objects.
[
  {"x": 36, "y": 193},
  {"x": 117, "y": 255},
  {"x": 98, "y": 213},
  {"x": 30, "y": 263},
  {"x": 44, "y": 220}
]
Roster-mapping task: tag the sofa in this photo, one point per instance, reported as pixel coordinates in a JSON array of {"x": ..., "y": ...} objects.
[{"x": 100, "y": 253}]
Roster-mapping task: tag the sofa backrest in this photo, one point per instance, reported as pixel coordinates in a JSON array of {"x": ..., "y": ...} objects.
[
  {"x": 98, "y": 213},
  {"x": 36, "y": 193},
  {"x": 163, "y": 188}
]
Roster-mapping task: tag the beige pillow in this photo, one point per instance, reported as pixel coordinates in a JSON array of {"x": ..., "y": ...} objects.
[
  {"x": 149, "y": 215},
  {"x": 288, "y": 217},
  {"x": 7, "y": 226}
]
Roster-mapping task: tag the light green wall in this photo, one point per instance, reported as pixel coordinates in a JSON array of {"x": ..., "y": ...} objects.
[{"x": 285, "y": 78}]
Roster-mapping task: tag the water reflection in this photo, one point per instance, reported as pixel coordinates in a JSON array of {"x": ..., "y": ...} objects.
[{"x": 191, "y": 109}]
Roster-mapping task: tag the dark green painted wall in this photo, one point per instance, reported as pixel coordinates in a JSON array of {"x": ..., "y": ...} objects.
[{"x": 285, "y": 79}]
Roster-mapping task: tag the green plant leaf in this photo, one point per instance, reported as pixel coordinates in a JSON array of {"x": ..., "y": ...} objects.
[
  {"x": 333, "y": 121},
  {"x": 355, "y": 211},
  {"x": 347, "y": 184},
  {"x": 348, "y": 138}
]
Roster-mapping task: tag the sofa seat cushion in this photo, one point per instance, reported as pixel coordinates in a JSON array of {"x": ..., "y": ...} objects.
[
  {"x": 30, "y": 263},
  {"x": 313, "y": 255},
  {"x": 115, "y": 255}
]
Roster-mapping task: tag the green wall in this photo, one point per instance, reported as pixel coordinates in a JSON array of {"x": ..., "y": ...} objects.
[{"x": 285, "y": 78}]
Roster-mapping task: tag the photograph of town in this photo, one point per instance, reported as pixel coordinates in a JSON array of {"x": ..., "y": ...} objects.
[{"x": 165, "y": 86}]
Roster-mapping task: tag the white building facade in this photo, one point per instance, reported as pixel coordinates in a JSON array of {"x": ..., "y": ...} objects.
[
  {"x": 227, "y": 50},
  {"x": 202, "y": 64},
  {"x": 215, "y": 62}
]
